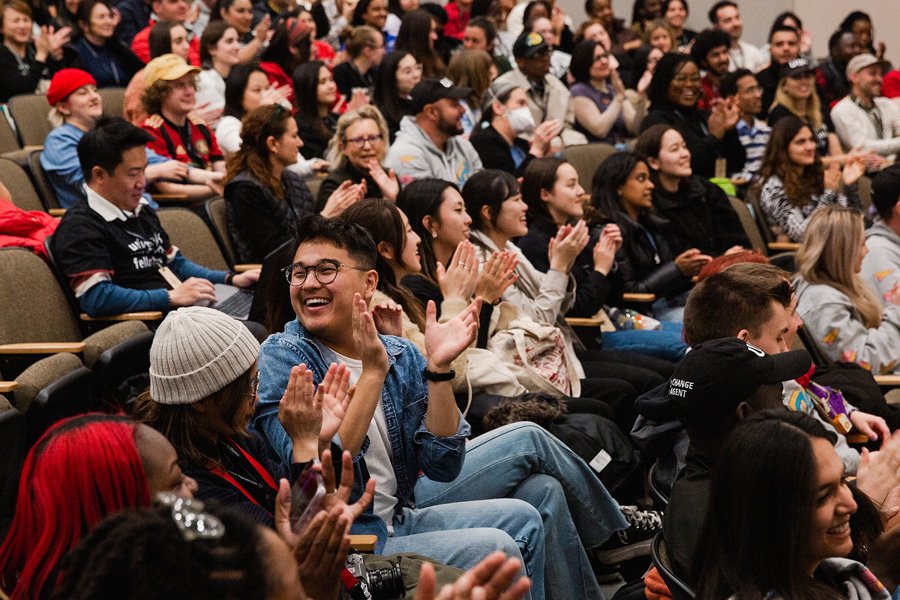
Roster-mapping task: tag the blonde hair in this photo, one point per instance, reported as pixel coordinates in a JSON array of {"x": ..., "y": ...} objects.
[
  {"x": 813, "y": 113},
  {"x": 660, "y": 24},
  {"x": 827, "y": 256},
  {"x": 334, "y": 154}
]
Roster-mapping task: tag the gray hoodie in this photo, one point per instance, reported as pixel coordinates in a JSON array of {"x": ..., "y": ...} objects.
[
  {"x": 831, "y": 318},
  {"x": 881, "y": 266},
  {"x": 414, "y": 156}
]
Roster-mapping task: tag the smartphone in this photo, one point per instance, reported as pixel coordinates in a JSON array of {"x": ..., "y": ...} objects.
[{"x": 307, "y": 495}]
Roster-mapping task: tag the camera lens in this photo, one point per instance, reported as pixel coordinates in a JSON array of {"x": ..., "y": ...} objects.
[{"x": 386, "y": 584}]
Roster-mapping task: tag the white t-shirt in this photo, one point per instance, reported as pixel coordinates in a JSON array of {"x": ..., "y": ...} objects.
[{"x": 378, "y": 455}]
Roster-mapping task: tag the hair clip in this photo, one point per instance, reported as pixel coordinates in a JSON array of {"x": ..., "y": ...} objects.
[{"x": 190, "y": 519}]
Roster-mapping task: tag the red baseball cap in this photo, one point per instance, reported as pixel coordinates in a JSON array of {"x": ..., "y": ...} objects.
[{"x": 66, "y": 81}]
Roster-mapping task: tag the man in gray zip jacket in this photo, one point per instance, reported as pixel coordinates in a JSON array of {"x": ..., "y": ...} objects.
[
  {"x": 430, "y": 144},
  {"x": 881, "y": 266}
]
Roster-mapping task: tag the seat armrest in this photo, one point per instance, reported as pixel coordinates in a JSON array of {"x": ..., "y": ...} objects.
[
  {"x": 42, "y": 348},
  {"x": 171, "y": 198},
  {"x": 584, "y": 321},
  {"x": 57, "y": 212},
  {"x": 639, "y": 298},
  {"x": 145, "y": 315},
  {"x": 246, "y": 267},
  {"x": 887, "y": 380},
  {"x": 784, "y": 246},
  {"x": 7, "y": 386},
  {"x": 363, "y": 542}
]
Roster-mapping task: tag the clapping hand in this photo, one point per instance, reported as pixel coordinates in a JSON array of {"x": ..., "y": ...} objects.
[
  {"x": 606, "y": 247},
  {"x": 388, "y": 318},
  {"x": 570, "y": 240},
  {"x": 498, "y": 274},
  {"x": 446, "y": 341},
  {"x": 458, "y": 279},
  {"x": 387, "y": 181},
  {"x": 335, "y": 394},
  {"x": 488, "y": 580},
  {"x": 365, "y": 337},
  {"x": 300, "y": 413}
]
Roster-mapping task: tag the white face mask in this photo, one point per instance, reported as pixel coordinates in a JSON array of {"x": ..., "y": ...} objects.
[{"x": 520, "y": 120}]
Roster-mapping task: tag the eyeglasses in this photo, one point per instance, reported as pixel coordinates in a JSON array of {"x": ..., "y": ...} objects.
[
  {"x": 360, "y": 141},
  {"x": 254, "y": 387},
  {"x": 685, "y": 79},
  {"x": 325, "y": 272}
]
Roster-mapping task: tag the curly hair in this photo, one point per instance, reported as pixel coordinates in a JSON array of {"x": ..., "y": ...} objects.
[
  {"x": 142, "y": 555},
  {"x": 257, "y": 127},
  {"x": 800, "y": 182}
]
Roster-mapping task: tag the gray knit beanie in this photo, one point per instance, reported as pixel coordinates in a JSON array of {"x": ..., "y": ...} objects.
[{"x": 196, "y": 352}]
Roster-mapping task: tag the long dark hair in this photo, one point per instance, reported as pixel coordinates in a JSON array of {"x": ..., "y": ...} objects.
[
  {"x": 766, "y": 476},
  {"x": 582, "y": 60},
  {"x": 306, "y": 86},
  {"x": 666, "y": 69},
  {"x": 800, "y": 183},
  {"x": 414, "y": 37},
  {"x": 381, "y": 218},
  {"x": 608, "y": 178},
  {"x": 213, "y": 32},
  {"x": 540, "y": 174},
  {"x": 491, "y": 188},
  {"x": 257, "y": 127},
  {"x": 235, "y": 86},
  {"x": 386, "y": 97},
  {"x": 419, "y": 199},
  {"x": 160, "y": 38}
]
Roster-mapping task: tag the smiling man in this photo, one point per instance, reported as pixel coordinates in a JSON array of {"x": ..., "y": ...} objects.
[
  {"x": 403, "y": 417},
  {"x": 111, "y": 245},
  {"x": 726, "y": 16},
  {"x": 866, "y": 119},
  {"x": 430, "y": 142}
]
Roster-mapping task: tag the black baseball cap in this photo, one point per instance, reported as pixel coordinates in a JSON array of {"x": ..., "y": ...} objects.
[
  {"x": 529, "y": 45},
  {"x": 429, "y": 91},
  {"x": 886, "y": 189},
  {"x": 716, "y": 376},
  {"x": 796, "y": 67}
]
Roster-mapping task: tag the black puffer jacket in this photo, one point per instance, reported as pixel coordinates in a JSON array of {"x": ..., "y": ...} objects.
[
  {"x": 645, "y": 268},
  {"x": 701, "y": 215}
]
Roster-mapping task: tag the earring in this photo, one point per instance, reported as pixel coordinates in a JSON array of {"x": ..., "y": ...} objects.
[{"x": 434, "y": 234}]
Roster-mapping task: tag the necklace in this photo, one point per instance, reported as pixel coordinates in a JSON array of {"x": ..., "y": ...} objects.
[{"x": 24, "y": 67}]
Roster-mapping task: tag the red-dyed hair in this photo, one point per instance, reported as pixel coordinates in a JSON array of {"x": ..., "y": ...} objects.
[
  {"x": 81, "y": 470},
  {"x": 719, "y": 264}
]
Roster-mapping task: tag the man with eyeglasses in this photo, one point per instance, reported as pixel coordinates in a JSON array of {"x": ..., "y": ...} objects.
[
  {"x": 110, "y": 244},
  {"x": 752, "y": 131},
  {"x": 430, "y": 143},
  {"x": 403, "y": 417}
]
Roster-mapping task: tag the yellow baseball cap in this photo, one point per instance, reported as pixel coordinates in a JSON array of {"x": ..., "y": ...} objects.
[{"x": 167, "y": 67}]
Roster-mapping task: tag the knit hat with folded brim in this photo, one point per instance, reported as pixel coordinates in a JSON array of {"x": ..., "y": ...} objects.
[{"x": 196, "y": 352}]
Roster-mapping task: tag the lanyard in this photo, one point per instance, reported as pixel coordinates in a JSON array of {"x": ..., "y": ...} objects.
[{"x": 254, "y": 482}]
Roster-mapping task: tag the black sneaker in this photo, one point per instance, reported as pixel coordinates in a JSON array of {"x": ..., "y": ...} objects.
[{"x": 634, "y": 541}]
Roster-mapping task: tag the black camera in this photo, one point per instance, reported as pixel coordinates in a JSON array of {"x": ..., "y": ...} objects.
[{"x": 374, "y": 584}]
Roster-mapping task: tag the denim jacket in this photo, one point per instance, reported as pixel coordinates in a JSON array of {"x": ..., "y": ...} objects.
[{"x": 404, "y": 398}]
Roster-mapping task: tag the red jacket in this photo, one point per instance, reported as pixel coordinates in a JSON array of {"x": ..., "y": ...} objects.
[
  {"x": 25, "y": 228},
  {"x": 456, "y": 21}
]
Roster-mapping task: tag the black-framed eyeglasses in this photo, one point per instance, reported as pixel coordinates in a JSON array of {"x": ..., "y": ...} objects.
[{"x": 325, "y": 271}]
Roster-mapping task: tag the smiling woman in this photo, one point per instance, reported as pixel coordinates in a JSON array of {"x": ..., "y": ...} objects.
[
  {"x": 805, "y": 503},
  {"x": 110, "y": 62},
  {"x": 674, "y": 93}
]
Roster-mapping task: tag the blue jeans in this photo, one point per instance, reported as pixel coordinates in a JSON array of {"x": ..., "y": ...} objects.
[
  {"x": 524, "y": 461},
  {"x": 463, "y": 533},
  {"x": 663, "y": 343}
]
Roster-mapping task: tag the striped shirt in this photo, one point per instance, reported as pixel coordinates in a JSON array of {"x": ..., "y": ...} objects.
[{"x": 754, "y": 139}]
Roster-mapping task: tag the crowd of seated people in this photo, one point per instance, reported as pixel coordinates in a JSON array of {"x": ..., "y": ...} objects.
[{"x": 505, "y": 268}]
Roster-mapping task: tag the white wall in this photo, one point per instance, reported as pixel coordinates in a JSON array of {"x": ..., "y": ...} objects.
[{"x": 821, "y": 17}]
